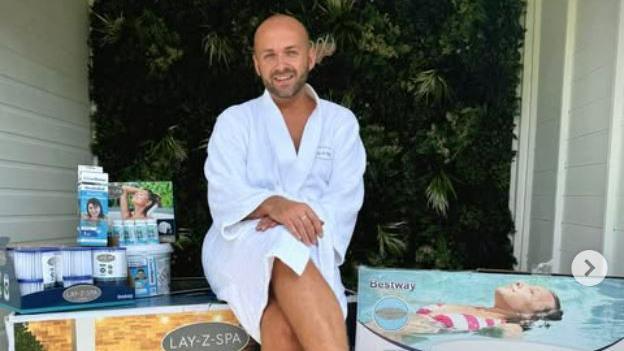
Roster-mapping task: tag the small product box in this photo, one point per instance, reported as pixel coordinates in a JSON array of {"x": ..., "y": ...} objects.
[
  {"x": 92, "y": 194},
  {"x": 90, "y": 168},
  {"x": 44, "y": 279},
  {"x": 149, "y": 269},
  {"x": 142, "y": 211},
  {"x": 92, "y": 178}
]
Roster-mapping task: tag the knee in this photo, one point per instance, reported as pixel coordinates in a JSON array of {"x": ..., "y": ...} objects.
[
  {"x": 279, "y": 336},
  {"x": 274, "y": 326},
  {"x": 277, "y": 325},
  {"x": 284, "y": 331}
]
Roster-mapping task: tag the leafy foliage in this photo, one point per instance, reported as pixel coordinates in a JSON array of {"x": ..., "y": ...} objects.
[{"x": 433, "y": 83}]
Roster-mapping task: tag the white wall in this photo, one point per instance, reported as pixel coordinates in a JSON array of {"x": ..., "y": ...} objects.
[
  {"x": 618, "y": 237},
  {"x": 576, "y": 111},
  {"x": 615, "y": 222},
  {"x": 590, "y": 110},
  {"x": 552, "y": 17},
  {"x": 44, "y": 116}
]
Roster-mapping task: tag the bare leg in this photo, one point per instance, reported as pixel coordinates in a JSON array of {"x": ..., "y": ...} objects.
[
  {"x": 310, "y": 307},
  {"x": 275, "y": 331}
]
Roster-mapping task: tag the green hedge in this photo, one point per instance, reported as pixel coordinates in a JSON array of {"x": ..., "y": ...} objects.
[{"x": 433, "y": 82}]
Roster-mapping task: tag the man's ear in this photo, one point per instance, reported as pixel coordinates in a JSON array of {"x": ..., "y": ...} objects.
[{"x": 255, "y": 62}]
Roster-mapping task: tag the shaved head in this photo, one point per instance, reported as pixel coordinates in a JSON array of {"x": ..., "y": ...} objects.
[{"x": 280, "y": 21}]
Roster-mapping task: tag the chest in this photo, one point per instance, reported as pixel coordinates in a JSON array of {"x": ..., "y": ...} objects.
[
  {"x": 274, "y": 166},
  {"x": 296, "y": 126}
]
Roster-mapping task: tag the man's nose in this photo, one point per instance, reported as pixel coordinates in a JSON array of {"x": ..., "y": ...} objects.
[{"x": 280, "y": 62}]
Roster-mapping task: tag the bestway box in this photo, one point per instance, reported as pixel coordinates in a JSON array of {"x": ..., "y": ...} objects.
[
  {"x": 55, "y": 299},
  {"x": 428, "y": 310}
]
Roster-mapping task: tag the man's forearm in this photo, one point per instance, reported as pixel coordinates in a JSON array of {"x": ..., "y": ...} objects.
[{"x": 264, "y": 208}]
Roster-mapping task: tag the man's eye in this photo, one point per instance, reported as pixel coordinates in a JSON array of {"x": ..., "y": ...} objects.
[{"x": 292, "y": 53}]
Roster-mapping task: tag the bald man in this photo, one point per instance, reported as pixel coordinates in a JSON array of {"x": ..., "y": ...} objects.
[{"x": 285, "y": 184}]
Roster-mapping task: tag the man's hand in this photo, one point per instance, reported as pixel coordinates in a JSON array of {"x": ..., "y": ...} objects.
[
  {"x": 265, "y": 223},
  {"x": 297, "y": 217}
]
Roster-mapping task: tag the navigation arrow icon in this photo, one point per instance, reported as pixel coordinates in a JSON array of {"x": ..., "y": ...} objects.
[{"x": 591, "y": 268}]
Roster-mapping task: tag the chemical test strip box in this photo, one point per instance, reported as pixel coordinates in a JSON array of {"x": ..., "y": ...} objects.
[
  {"x": 431, "y": 310},
  {"x": 31, "y": 282},
  {"x": 92, "y": 186}
]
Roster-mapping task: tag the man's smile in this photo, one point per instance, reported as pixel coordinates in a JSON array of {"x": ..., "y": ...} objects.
[{"x": 283, "y": 77}]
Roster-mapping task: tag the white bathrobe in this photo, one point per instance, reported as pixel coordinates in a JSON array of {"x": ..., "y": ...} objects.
[{"x": 251, "y": 156}]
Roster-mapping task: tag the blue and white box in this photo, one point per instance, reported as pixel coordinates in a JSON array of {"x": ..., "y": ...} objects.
[{"x": 92, "y": 229}]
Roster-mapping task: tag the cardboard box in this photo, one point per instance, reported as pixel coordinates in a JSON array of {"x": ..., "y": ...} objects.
[
  {"x": 92, "y": 178},
  {"x": 169, "y": 323},
  {"x": 55, "y": 298},
  {"x": 162, "y": 211},
  {"x": 90, "y": 168},
  {"x": 92, "y": 197},
  {"x": 435, "y": 310}
]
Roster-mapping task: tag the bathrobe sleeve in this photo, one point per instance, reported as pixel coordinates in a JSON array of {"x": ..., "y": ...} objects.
[
  {"x": 231, "y": 197},
  {"x": 339, "y": 205}
]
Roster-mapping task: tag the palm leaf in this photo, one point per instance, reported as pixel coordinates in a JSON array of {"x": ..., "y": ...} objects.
[
  {"x": 324, "y": 46},
  {"x": 218, "y": 49},
  {"x": 438, "y": 192},
  {"x": 109, "y": 27}
]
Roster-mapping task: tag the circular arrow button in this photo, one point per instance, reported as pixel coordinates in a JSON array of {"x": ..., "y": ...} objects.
[{"x": 589, "y": 267}]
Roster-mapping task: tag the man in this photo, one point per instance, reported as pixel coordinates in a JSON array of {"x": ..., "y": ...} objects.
[{"x": 285, "y": 184}]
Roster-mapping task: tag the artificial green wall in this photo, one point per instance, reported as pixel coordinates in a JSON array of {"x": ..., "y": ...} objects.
[{"x": 433, "y": 82}]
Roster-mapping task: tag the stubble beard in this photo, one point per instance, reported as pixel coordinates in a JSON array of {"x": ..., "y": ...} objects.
[{"x": 289, "y": 92}]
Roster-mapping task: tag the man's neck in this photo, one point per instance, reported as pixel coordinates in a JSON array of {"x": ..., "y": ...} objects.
[{"x": 301, "y": 101}]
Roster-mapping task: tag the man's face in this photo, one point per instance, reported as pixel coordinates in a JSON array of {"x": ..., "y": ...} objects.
[{"x": 283, "y": 57}]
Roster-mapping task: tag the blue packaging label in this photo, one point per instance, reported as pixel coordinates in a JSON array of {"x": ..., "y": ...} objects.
[
  {"x": 153, "y": 282},
  {"x": 118, "y": 232},
  {"x": 152, "y": 232},
  {"x": 129, "y": 233},
  {"x": 140, "y": 275},
  {"x": 93, "y": 225},
  {"x": 140, "y": 232},
  {"x": 139, "y": 280}
]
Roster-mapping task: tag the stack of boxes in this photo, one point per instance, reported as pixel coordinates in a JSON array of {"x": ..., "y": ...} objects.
[
  {"x": 117, "y": 252},
  {"x": 132, "y": 239},
  {"x": 92, "y": 232}
]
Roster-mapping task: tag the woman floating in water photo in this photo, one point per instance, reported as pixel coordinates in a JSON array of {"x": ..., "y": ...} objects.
[{"x": 517, "y": 307}]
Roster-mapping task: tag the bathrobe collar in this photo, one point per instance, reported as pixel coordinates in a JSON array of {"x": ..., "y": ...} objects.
[{"x": 294, "y": 166}]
